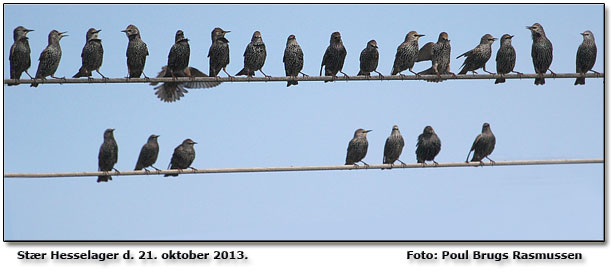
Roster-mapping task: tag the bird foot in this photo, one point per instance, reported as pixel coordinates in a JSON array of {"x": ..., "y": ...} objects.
[
  {"x": 146, "y": 170},
  {"x": 304, "y": 75},
  {"x": 554, "y": 75},
  {"x": 365, "y": 164},
  {"x": 380, "y": 75},
  {"x": 116, "y": 170},
  {"x": 155, "y": 168},
  {"x": 453, "y": 74},
  {"x": 474, "y": 73},
  {"x": 597, "y": 73},
  {"x": 194, "y": 169},
  {"x": 423, "y": 164},
  {"x": 436, "y": 163}
]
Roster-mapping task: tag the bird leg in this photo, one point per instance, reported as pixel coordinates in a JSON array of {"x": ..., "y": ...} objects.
[
  {"x": 98, "y": 70},
  {"x": 33, "y": 78},
  {"x": 485, "y": 69},
  {"x": 345, "y": 75},
  {"x": 264, "y": 73},
  {"x": 145, "y": 76},
  {"x": 379, "y": 74},
  {"x": 468, "y": 157},
  {"x": 416, "y": 74},
  {"x": 366, "y": 165},
  {"x": 146, "y": 170},
  {"x": 423, "y": 163},
  {"x": 116, "y": 170},
  {"x": 401, "y": 162},
  {"x": 454, "y": 75},
  {"x": 192, "y": 168},
  {"x": 435, "y": 163},
  {"x": 492, "y": 161},
  {"x": 304, "y": 75},
  {"x": 518, "y": 73},
  {"x": 155, "y": 168},
  {"x": 474, "y": 72},
  {"x": 598, "y": 73},
  {"x": 53, "y": 76},
  {"x": 228, "y": 75},
  {"x": 553, "y": 73}
]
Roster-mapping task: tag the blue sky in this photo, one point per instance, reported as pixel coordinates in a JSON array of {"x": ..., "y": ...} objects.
[{"x": 59, "y": 128}]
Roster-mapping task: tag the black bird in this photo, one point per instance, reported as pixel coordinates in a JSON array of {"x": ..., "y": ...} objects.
[
  {"x": 293, "y": 59},
  {"x": 428, "y": 146},
  {"x": 407, "y": 53},
  {"x": 50, "y": 57},
  {"x": 368, "y": 60},
  {"x": 107, "y": 157},
  {"x": 178, "y": 58},
  {"x": 218, "y": 52},
  {"x": 19, "y": 57},
  {"x": 439, "y": 54},
  {"x": 541, "y": 52},
  {"x": 393, "y": 147},
  {"x": 173, "y": 91},
  {"x": 585, "y": 56},
  {"x": 477, "y": 58},
  {"x": 483, "y": 145},
  {"x": 506, "y": 58},
  {"x": 136, "y": 53},
  {"x": 333, "y": 60},
  {"x": 183, "y": 156},
  {"x": 92, "y": 54},
  {"x": 254, "y": 56},
  {"x": 357, "y": 147},
  {"x": 148, "y": 154}
]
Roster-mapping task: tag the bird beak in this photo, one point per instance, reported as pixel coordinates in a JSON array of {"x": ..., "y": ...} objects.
[
  {"x": 511, "y": 36},
  {"x": 28, "y": 30},
  {"x": 156, "y": 136},
  {"x": 125, "y": 30},
  {"x": 529, "y": 27},
  {"x": 420, "y": 35},
  {"x": 97, "y": 30},
  {"x": 582, "y": 34},
  {"x": 194, "y": 143},
  {"x": 495, "y": 39},
  {"x": 112, "y": 129},
  {"x": 226, "y": 31},
  {"x": 368, "y": 130}
]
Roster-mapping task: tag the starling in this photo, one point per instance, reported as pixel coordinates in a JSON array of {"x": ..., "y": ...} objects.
[
  {"x": 483, "y": 145},
  {"x": 173, "y": 91},
  {"x": 293, "y": 59},
  {"x": 368, "y": 60},
  {"x": 428, "y": 146},
  {"x": 254, "y": 56},
  {"x": 506, "y": 58},
  {"x": 178, "y": 58},
  {"x": 393, "y": 147},
  {"x": 218, "y": 52},
  {"x": 586, "y": 55},
  {"x": 148, "y": 154},
  {"x": 439, "y": 54},
  {"x": 333, "y": 60},
  {"x": 357, "y": 148},
  {"x": 108, "y": 155},
  {"x": 541, "y": 52},
  {"x": 477, "y": 58},
  {"x": 91, "y": 55},
  {"x": 20, "y": 54},
  {"x": 407, "y": 53},
  {"x": 50, "y": 57},
  {"x": 137, "y": 52},
  {"x": 183, "y": 156}
]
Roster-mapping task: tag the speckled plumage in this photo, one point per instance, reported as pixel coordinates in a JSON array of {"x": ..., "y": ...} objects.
[
  {"x": 585, "y": 56},
  {"x": 483, "y": 144},
  {"x": 477, "y": 58},
  {"x": 136, "y": 53},
  {"x": 334, "y": 56},
  {"x": 368, "y": 59},
  {"x": 541, "y": 52},
  {"x": 178, "y": 58},
  {"x": 148, "y": 153},
  {"x": 50, "y": 57},
  {"x": 393, "y": 146},
  {"x": 439, "y": 54},
  {"x": 357, "y": 147},
  {"x": 506, "y": 57},
  {"x": 407, "y": 53},
  {"x": 254, "y": 56},
  {"x": 173, "y": 91},
  {"x": 293, "y": 59},
  {"x": 19, "y": 56},
  {"x": 428, "y": 145},
  {"x": 92, "y": 55},
  {"x": 218, "y": 52}
]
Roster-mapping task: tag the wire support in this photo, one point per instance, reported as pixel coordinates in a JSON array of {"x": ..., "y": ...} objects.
[
  {"x": 300, "y": 168},
  {"x": 299, "y": 78}
]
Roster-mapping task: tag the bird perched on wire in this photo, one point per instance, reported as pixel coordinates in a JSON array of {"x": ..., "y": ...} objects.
[
  {"x": 334, "y": 56},
  {"x": 293, "y": 59},
  {"x": 393, "y": 147},
  {"x": 506, "y": 58},
  {"x": 585, "y": 56},
  {"x": 368, "y": 60},
  {"x": 483, "y": 145},
  {"x": 357, "y": 147},
  {"x": 148, "y": 154},
  {"x": 254, "y": 56},
  {"x": 477, "y": 58},
  {"x": 183, "y": 156},
  {"x": 173, "y": 91},
  {"x": 541, "y": 53},
  {"x": 50, "y": 57},
  {"x": 407, "y": 53},
  {"x": 107, "y": 157},
  {"x": 218, "y": 52},
  {"x": 439, "y": 54},
  {"x": 92, "y": 55},
  {"x": 428, "y": 146},
  {"x": 136, "y": 53},
  {"x": 178, "y": 58},
  {"x": 19, "y": 56}
]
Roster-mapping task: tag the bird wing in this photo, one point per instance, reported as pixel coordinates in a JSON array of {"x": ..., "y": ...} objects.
[
  {"x": 12, "y": 50},
  {"x": 198, "y": 84},
  {"x": 476, "y": 141},
  {"x": 161, "y": 73},
  {"x": 467, "y": 54},
  {"x": 426, "y": 52},
  {"x": 146, "y": 48}
]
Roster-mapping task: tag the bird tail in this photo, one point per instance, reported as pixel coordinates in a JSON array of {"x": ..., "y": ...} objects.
[
  {"x": 245, "y": 72},
  {"x": 361, "y": 73},
  {"x": 539, "y": 81},
  {"x": 579, "y": 81},
  {"x": 14, "y": 76},
  {"x": 104, "y": 178},
  {"x": 500, "y": 80},
  {"x": 82, "y": 73},
  {"x": 292, "y": 82},
  {"x": 476, "y": 158},
  {"x": 170, "y": 92},
  {"x": 171, "y": 175},
  {"x": 463, "y": 71}
]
